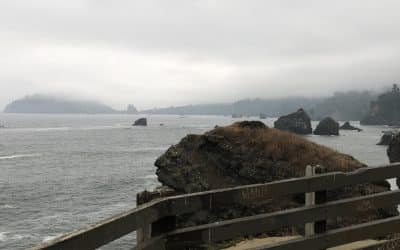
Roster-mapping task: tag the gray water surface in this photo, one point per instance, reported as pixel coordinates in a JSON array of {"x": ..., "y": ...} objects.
[{"x": 59, "y": 173}]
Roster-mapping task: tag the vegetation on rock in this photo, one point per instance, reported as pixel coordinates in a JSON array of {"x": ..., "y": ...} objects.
[
  {"x": 385, "y": 110},
  {"x": 248, "y": 153}
]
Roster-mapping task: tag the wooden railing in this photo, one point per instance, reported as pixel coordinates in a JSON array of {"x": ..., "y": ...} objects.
[{"x": 158, "y": 216}]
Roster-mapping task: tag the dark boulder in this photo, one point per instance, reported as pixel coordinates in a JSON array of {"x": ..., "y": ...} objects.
[
  {"x": 298, "y": 122},
  {"x": 140, "y": 122},
  {"x": 327, "y": 126},
  {"x": 248, "y": 153},
  {"x": 386, "y": 138},
  {"x": 348, "y": 126},
  {"x": 393, "y": 151}
]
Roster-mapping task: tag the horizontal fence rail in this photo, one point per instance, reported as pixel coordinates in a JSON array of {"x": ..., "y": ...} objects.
[
  {"x": 109, "y": 230},
  {"x": 340, "y": 236},
  {"x": 252, "y": 225}
]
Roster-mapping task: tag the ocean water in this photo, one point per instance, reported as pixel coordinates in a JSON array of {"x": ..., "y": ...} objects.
[{"x": 59, "y": 173}]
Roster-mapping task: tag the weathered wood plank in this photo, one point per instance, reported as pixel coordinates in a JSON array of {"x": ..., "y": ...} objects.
[
  {"x": 156, "y": 243},
  {"x": 389, "y": 244},
  {"x": 226, "y": 230},
  {"x": 340, "y": 236},
  {"x": 188, "y": 203},
  {"x": 108, "y": 230},
  {"x": 118, "y": 226}
]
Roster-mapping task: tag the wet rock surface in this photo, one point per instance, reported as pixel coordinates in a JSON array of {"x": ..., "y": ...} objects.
[
  {"x": 298, "y": 122},
  {"x": 327, "y": 126},
  {"x": 140, "y": 122},
  {"x": 386, "y": 138}
]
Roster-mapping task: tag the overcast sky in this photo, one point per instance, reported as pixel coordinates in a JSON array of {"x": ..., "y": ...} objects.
[{"x": 161, "y": 53}]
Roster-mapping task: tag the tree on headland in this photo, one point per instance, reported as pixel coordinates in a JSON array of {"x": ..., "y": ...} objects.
[
  {"x": 131, "y": 109},
  {"x": 386, "y": 109}
]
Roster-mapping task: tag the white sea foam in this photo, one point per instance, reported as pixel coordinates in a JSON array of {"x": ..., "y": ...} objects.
[
  {"x": 7, "y": 157},
  {"x": 146, "y": 149},
  {"x": 51, "y": 237},
  {"x": 3, "y": 236},
  {"x": 6, "y": 206},
  {"x": 150, "y": 176}
]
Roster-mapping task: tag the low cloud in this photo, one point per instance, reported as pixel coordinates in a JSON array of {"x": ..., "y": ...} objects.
[{"x": 158, "y": 53}]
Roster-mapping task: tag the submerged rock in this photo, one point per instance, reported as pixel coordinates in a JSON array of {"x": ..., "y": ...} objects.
[
  {"x": 140, "y": 122},
  {"x": 298, "y": 122},
  {"x": 248, "y": 153},
  {"x": 348, "y": 126},
  {"x": 327, "y": 126}
]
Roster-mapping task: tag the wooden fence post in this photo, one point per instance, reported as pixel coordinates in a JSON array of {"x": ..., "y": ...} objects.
[
  {"x": 310, "y": 200},
  {"x": 143, "y": 234},
  {"x": 314, "y": 198},
  {"x": 320, "y": 198}
]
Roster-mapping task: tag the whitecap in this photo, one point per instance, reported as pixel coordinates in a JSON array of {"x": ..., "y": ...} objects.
[
  {"x": 151, "y": 176},
  {"x": 148, "y": 149},
  {"x": 7, "y": 157},
  {"x": 3, "y": 236},
  {"x": 51, "y": 237},
  {"x": 7, "y": 206},
  {"x": 20, "y": 236}
]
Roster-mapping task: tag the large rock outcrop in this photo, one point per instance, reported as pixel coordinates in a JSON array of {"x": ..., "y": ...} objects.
[
  {"x": 298, "y": 122},
  {"x": 248, "y": 153},
  {"x": 348, "y": 126},
  {"x": 327, "y": 126}
]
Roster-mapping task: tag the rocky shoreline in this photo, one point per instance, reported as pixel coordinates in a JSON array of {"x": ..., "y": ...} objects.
[{"x": 247, "y": 153}]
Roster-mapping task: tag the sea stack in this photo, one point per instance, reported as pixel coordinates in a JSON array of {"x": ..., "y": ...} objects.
[
  {"x": 298, "y": 122},
  {"x": 328, "y": 126}
]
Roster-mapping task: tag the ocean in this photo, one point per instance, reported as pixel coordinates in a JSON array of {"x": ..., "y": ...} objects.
[{"x": 59, "y": 173}]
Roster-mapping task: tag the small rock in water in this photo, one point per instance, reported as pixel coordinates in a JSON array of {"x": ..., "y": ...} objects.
[
  {"x": 348, "y": 126},
  {"x": 140, "y": 122}
]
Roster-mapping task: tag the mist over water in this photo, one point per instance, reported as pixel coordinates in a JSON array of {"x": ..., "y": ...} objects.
[{"x": 59, "y": 173}]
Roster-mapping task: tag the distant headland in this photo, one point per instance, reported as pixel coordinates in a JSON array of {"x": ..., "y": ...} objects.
[{"x": 60, "y": 105}]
